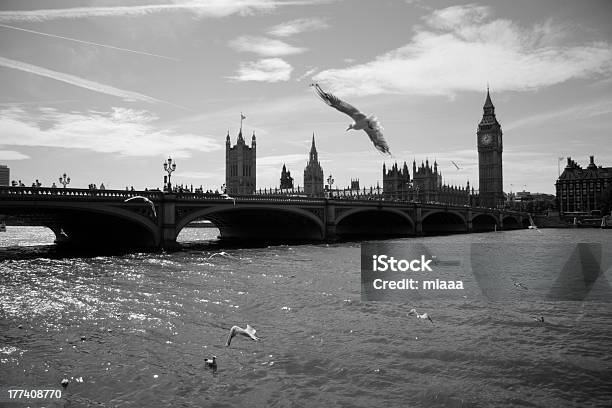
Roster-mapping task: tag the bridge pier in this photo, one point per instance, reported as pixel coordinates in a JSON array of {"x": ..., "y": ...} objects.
[
  {"x": 168, "y": 223},
  {"x": 469, "y": 225},
  {"x": 418, "y": 227},
  {"x": 330, "y": 223}
]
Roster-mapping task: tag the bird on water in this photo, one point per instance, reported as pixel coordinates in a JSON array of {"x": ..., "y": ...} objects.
[
  {"x": 248, "y": 332},
  {"x": 413, "y": 312},
  {"x": 369, "y": 124},
  {"x": 211, "y": 363}
]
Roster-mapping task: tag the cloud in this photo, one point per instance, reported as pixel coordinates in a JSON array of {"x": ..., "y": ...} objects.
[
  {"x": 12, "y": 155},
  {"x": 266, "y": 47},
  {"x": 199, "y": 8},
  {"x": 89, "y": 43},
  {"x": 300, "y": 25},
  {"x": 264, "y": 70},
  {"x": 122, "y": 131},
  {"x": 80, "y": 82},
  {"x": 570, "y": 114},
  {"x": 306, "y": 74},
  {"x": 460, "y": 48}
]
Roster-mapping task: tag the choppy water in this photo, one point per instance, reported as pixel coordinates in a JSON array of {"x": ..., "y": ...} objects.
[{"x": 149, "y": 320}]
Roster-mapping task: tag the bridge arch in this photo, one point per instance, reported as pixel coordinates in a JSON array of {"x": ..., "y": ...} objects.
[
  {"x": 373, "y": 221},
  {"x": 511, "y": 222},
  {"x": 484, "y": 222},
  {"x": 447, "y": 221},
  {"x": 93, "y": 225},
  {"x": 259, "y": 222}
]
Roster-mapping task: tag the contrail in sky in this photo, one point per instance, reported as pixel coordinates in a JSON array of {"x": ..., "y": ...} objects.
[
  {"x": 217, "y": 8},
  {"x": 81, "y": 82},
  {"x": 90, "y": 43}
]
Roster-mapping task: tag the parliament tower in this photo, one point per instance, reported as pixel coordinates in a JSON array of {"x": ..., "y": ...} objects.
[
  {"x": 313, "y": 173},
  {"x": 490, "y": 147},
  {"x": 240, "y": 161}
]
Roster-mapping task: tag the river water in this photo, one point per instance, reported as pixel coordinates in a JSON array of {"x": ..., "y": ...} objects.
[{"x": 137, "y": 328}]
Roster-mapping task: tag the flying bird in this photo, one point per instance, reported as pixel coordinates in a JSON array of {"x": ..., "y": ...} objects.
[
  {"x": 146, "y": 200},
  {"x": 248, "y": 332},
  {"x": 413, "y": 312},
  {"x": 455, "y": 164},
  {"x": 369, "y": 124}
]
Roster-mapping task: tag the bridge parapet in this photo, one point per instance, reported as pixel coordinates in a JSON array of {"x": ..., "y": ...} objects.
[{"x": 79, "y": 193}]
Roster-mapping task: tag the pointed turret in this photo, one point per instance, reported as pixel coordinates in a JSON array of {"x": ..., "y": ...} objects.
[{"x": 488, "y": 108}]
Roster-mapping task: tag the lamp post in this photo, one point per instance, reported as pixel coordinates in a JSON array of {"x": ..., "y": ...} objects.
[
  {"x": 64, "y": 180},
  {"x": 330, "y": 181},
  {"x": 169, "y": 167}
]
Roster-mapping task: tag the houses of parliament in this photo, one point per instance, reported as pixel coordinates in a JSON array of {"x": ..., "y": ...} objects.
[{"x": 425, "y": 184}]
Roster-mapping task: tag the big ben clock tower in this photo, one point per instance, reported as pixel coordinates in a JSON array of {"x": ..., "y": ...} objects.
[{"x": 490, "y": 147}]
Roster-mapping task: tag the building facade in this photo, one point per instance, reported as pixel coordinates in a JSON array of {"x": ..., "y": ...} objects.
[
  {"x": 5, "y": 175},
  {"x": 396, "y": 181},
  {"x": 490, "y": 148},
  {"x": 286, "y": 181},
  {"x": 580, "y": 190},
  {"x": 313, "y": 173},
  {"x": 426, "y": 185},
  {"x": 240, "y": 165}
]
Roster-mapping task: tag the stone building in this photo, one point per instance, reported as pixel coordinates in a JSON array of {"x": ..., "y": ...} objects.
[
  {"x": 240, "y": 165},
  {"x": 286, "y": 181},
  {"x": 580, "y": 190},
  {"x": 313, "y": 173}
]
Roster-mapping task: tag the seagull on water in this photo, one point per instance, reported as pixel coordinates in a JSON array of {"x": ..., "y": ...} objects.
[
  {"x": 146, "y": 200},
  {"x": 520, "y": 285},
  {"x": 248, "y": 332},
  {"x": 369, "y": 124},
  {"x": 538, "y": 319},
  {"x": 413, "y": 312},
  {"x": 211, "y": 363}
]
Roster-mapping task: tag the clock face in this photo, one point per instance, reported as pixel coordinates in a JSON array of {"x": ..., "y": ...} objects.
[{"x": 486, "y": 139}]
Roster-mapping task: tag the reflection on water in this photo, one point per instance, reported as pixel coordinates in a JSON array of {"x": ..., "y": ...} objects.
[{"x": 137, "y": 328}]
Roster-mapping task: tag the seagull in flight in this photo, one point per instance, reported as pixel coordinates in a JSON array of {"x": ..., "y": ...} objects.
[
  {"x": 455, "y": 164},
  {"x": 413, "y": 312},
  {"x": 369, "y": 124},
  {"x": 248, "y": 332},
  {"x": 146, "y": 200}
]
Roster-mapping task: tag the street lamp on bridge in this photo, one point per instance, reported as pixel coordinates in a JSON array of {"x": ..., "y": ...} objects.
[
  {"x": 64, "y": 180},
  {"x": 330, "y": 181},
  {"x": 169, "y": 167}
]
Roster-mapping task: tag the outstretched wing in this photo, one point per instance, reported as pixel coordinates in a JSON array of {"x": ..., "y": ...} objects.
[
  {"x": 374, "y": 131},
  {"x": 339, "y": 104},
  {"x": 251, "y": 332}
]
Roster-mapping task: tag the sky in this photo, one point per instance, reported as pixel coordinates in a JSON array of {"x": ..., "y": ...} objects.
[{"x": 106, "y": 90}]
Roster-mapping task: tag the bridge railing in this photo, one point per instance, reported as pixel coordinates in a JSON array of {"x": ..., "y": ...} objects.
[
  {"x": 51, "y": 192},
  {"x": 10, "y": 192}
]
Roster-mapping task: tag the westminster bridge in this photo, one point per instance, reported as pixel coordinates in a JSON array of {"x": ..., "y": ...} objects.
[{"x": 86, "y": 217}]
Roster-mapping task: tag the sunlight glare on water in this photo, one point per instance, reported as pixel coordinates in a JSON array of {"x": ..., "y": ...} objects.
[{"x": 137, "y": 327}]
